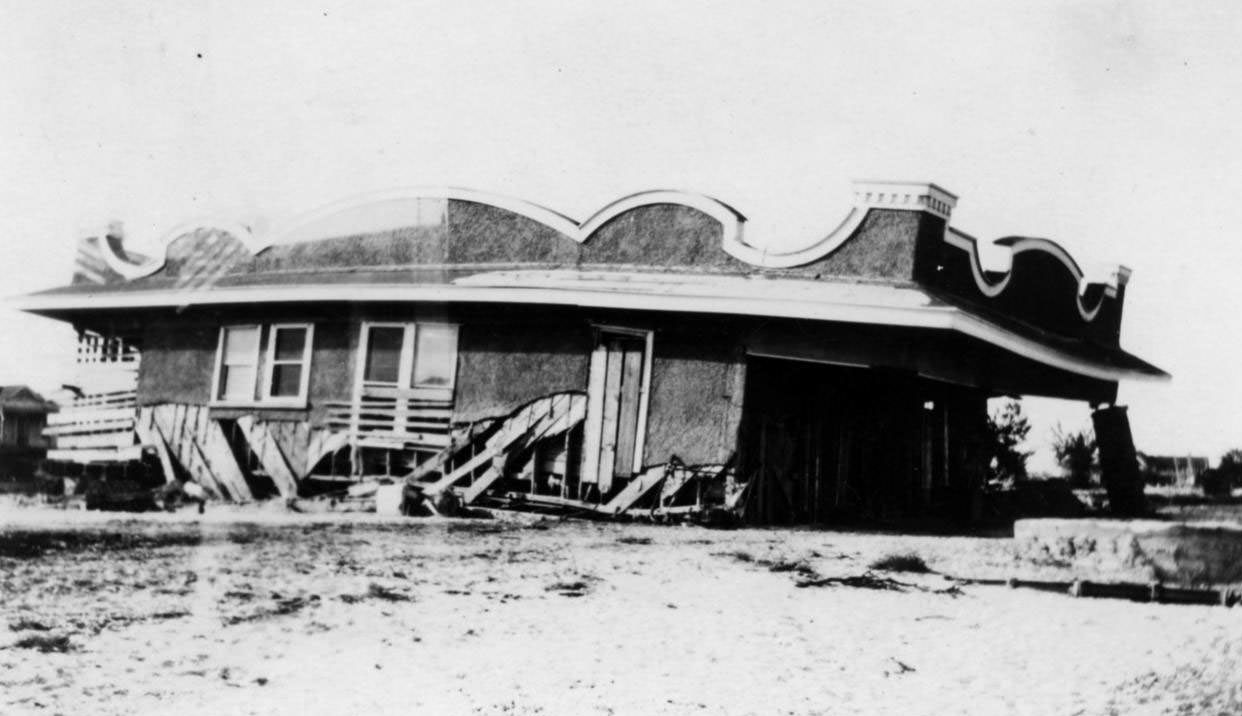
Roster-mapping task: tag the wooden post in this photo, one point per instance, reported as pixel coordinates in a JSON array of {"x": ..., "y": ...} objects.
[{"x": 1118, "y": 461}]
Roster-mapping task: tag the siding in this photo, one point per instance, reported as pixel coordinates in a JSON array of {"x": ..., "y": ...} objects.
[
  {"x": 504, "y": 366},
  {"x": 696, "y": 398},
  {"x": 179, "y": 360}
]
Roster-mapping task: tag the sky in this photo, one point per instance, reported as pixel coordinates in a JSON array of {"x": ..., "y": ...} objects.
[{"x": 1112, "y": 128}]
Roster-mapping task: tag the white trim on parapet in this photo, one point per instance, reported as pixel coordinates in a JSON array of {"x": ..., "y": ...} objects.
[
  {"x": 1113, "y": 278},
  {"x": 736, "y": 238}
]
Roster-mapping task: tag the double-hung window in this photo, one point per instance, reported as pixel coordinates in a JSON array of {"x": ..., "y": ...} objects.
[
  {"x": 420, "y": 357},
  {"x": 263, "y": 365}
]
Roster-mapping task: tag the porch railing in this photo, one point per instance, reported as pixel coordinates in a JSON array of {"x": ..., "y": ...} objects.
[
  {"x": 98, "y": 427},
  {"x": 393, "y": 421}
]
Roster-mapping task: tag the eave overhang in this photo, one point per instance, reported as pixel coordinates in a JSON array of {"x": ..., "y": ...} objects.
[{"x": 864, "y": 303}]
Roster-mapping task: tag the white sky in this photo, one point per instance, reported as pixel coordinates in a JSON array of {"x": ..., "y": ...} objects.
[{"x": 1112, "y": 128}]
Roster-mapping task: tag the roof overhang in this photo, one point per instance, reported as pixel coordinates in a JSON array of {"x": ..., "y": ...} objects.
[{"x": 865, "y": 303}]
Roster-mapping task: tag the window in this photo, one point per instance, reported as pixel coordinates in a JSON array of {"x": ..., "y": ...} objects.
[
  {"x": 410, "y": 356},
  {"x": 384, "y": 349},
  {"x": 239, "y": 363},
  {"x": 288, "y": 361},
  {"x": 435, "y": 356},
  {"x": 259, "y": 366}
]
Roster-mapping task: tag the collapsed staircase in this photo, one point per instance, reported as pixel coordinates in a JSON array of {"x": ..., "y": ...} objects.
[
  {"x": 501, "y": 448},
  {"x": 489, "y": 456}
]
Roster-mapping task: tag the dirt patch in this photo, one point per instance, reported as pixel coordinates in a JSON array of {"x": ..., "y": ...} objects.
[
  {"x": 46, "y": 643},
  {"x": 22, "y": 544},
  {"x": 906, "y": 562}
]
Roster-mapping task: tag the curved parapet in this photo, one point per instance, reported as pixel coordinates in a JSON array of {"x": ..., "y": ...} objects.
[
  {"x": 1043, "y": 286},
  {"x": 665, "y": 228},
  {"x": 105, "y": 259}
]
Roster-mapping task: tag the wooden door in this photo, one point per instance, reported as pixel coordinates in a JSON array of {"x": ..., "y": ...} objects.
[{"x": 618, "y": 392}]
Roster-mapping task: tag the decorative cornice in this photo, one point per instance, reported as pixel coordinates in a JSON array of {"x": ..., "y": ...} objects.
[
  {"x": 737, "y": 237},
  {"x": 868, "y": 195},
  {"x": 917, "y": 196}
]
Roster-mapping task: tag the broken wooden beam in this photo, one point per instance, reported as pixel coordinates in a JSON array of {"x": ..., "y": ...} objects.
[{"x": 263, "y": 444}]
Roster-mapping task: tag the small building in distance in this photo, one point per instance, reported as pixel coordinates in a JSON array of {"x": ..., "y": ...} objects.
[
  {"x": 23, "y": 417},
  {"x": 1172, "y": 470},
  {"x": 655, "y": 359}
]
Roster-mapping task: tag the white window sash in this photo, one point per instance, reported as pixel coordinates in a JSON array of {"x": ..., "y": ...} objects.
[
  {"x": 217, "y": 383},
  {"x": 452, "y": 381},
  {"x": 269, "y": 370},
  {"x": 404, "y": 360}
]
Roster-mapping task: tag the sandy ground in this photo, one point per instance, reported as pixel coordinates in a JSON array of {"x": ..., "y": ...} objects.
[{"x": 257, "y": 613}]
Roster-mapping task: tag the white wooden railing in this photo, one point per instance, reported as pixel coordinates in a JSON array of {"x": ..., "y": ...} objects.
[
  {"x": 94, "y": 428},
  {"x": 98, "y": 426},
  {"x": 393, "y": 419}
]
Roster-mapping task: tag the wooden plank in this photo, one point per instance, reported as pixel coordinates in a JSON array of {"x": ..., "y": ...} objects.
[
  {"x": 294, "y": 439},
  {"x": 476, "y": 488},
  {"x": 433, "y": 406},
  {"x": 178, "y": 432},
  {"x": 390, "y": 425},
  {"x": 460, "y": 472},
  {"x": 552, "y": 501},
  {"x": 591, "y": 435},
  {"x": 169, "y": 420},
  {"x": 89, "y": 415},
  {"x": 150, "y": 435},
  {"x": 322, "y": 443},
  {"x": 642, "y": 483},
  {"x": 263, "y": 443},
  {"x": 96, "y": 399},
  {"x": 630, "y": 394},
  {"x": 675, "y": 480},
  {"x": 568, "y": 412},
  {"x": 436, "y": 440},
  {"x": 102, "y": 427},
  {"x": 219, "y": 455},
  {"x": 96, "y": 455},
  {"x": 200, "y": 470},
  {"x": 98, "y": 440},
  {"x": 608, "y": 427}
]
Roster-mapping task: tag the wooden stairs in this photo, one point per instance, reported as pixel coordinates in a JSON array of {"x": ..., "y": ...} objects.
[{"x": 484, "y": 459}]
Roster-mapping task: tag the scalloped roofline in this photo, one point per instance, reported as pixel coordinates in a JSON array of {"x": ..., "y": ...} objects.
[
  {"x": 1112, "y": 278},
  {"x": 737, "y": 237}
]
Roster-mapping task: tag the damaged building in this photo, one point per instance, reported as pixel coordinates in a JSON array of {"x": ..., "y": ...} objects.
[{"x": 650, "y": 360}]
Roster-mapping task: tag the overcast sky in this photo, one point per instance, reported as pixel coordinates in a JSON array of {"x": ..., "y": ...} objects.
[{"x": 1110, "y": 127}]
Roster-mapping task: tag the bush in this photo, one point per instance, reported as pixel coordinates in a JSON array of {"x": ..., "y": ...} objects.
[
  {"x": 1077, "y": 454},
  {"x": 1008, "y": 429},
  {"x": 1231, "y": 467},
  {"x": 907, "y": 562}
]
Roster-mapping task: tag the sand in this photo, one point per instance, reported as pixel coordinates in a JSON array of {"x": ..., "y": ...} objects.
[{"x": 265, "y": 613}]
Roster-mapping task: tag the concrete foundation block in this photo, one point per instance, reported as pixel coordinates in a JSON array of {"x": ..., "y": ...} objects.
[{"x": 1182, "y": 553}]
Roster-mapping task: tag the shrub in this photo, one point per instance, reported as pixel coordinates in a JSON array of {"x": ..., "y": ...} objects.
[
  {"x": 1077, "y": 454},
  {"x": 1008, "y": 429},
  {"x": 905, "y": 562}
]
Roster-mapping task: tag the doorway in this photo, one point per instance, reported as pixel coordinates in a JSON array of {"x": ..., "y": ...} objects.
[{"x": 617, "y": 407}]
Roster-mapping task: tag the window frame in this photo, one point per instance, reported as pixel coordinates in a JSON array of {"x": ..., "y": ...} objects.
[
  {"x": 260, "y": 395},
  {"x": 269, "y": 367},
  {"x": 413, "y": 338},
  {"x": 217, "y": 383},
  {"x": 407, "y": 360},
  {"x": 404, "y": 362}
]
